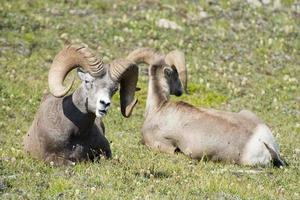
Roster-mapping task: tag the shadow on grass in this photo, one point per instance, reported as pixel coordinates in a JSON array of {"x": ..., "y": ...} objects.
[{"x": 152, "y": 174}]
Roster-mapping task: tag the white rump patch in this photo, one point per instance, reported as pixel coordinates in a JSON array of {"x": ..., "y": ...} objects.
[{"x": 255, "y": 151}]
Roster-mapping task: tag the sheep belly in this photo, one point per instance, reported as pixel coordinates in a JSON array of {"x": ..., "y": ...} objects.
[
  {"x": 198, "y": 140},
  {"x": 199, "y": 146},
  {"x": 235, "y": 147}
]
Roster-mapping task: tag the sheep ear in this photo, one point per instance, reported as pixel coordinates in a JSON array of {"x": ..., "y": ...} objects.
[
  {"x": 84, "y": 76},
  {"x": 81, "y": 74},
  {"x": 127, "y": 90}
]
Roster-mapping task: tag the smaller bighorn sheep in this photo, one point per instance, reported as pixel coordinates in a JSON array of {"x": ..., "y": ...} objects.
[
  {"x": 65, "y": 129},
  {"x": 240, "y": 138}
]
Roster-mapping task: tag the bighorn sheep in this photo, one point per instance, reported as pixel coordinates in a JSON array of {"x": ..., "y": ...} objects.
[
  {"x": 65, "y": 129},
  {"x": 240, "y": 138}
]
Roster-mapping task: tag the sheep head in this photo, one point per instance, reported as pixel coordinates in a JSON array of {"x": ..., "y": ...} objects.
[
  {"x": 176, "y": 59},
  {"x": 173, "y": 62},
  {"x": 99, "y": 81}
]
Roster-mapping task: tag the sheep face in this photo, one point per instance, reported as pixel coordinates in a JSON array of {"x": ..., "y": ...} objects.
[
  {"x": 98, "y": 92},
  {"x": 173, "y": 81}
]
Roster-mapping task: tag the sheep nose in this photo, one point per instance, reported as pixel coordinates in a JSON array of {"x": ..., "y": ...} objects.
[
  {"x": 178, "y": 93},
  {"x": 105, "y": 104}
]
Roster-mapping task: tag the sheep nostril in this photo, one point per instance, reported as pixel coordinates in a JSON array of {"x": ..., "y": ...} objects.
[
  {"x": 178, "y": 93},
  {"x": 104, "y": 103}
]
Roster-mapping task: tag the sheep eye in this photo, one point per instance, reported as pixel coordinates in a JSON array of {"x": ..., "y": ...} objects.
[
  {"x": 115, "y": 89},
  {"x": 168, "y": 72}
]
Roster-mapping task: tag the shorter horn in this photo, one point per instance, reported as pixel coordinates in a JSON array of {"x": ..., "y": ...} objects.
[
  {"x": 144, "y": 55},
  {"x": 176, "y": 58}
]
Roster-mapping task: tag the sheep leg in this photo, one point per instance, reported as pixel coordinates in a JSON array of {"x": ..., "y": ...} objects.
[
  {"x": 97, "y": 143},
  {"x": 162, "y": 145},
  {"x": 54, "y": 159},
  {"x": 165, "y": 147}
]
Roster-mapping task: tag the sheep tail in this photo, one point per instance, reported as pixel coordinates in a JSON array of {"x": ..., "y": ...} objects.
[{"x": 277, "y": 161}]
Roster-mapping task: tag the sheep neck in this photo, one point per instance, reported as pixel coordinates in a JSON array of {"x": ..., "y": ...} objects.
[
  {"x": 74, "y": 108},
  {"x": 158, "y": 95}
]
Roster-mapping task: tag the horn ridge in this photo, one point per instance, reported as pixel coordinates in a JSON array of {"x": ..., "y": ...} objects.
[{"x": 70, "y": 57}]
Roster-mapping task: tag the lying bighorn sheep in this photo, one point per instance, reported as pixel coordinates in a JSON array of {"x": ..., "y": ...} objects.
[
  {"x": 65, "y": 128},
  {"x": 240, "y": 138}
]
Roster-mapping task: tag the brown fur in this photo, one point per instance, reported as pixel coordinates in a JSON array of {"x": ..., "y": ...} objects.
[
  {"x": 62, "y": 134},
  {"x": 196, "y": 132}
]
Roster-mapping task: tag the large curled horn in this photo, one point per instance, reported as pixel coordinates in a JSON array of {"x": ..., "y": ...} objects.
[
  {"x": 68, "y": 58},
  {"x": 126, "y": 72},
  {"x": 176, "y": 58}
]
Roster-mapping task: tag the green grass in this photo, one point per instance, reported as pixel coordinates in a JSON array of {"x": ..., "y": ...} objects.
[{"x": 238, "y": 57}]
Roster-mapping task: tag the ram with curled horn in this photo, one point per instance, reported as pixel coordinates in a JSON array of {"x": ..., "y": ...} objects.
[
  {"x": 68, "y": 128},
  {"x": 170, "y": 127}
]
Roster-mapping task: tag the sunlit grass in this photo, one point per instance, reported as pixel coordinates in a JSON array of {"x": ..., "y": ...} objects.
[{"x": 238, "y": 56}]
